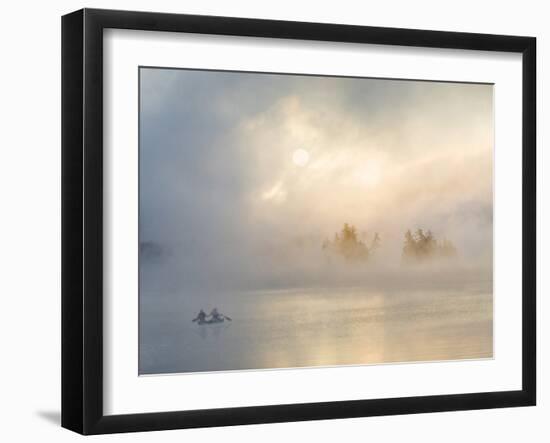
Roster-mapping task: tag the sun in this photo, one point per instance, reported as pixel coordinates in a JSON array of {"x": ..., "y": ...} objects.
[{"x": 300, "y": 157}]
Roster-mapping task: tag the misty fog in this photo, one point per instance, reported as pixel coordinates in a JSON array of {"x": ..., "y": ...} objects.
[{"x": 221, "y": 195}]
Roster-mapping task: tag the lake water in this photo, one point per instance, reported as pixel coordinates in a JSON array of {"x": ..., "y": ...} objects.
[{"x": 301, "y": 328}]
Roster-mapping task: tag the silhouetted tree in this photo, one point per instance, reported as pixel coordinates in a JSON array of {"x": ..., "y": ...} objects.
[
  {"x": 423, "y": 246},
  {"x": 347, "y": 244},
  {"x": 375, "y": 243},
  {"x": 409, "y": 247}
]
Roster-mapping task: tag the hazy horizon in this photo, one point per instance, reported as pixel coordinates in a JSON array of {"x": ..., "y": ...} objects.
[{"x": 224, "y": 187}]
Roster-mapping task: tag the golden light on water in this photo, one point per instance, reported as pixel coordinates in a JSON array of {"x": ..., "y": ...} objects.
[{"x": 300, "y": 157}]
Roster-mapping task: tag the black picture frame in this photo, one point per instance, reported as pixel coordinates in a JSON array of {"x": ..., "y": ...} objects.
[{"x": 82, "y": 220}]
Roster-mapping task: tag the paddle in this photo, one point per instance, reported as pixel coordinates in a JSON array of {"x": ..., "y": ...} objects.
[{"x": 227, "y": 318}]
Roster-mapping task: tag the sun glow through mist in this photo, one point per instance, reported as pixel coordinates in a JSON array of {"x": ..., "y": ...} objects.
[{"x": 300, "y": 157}]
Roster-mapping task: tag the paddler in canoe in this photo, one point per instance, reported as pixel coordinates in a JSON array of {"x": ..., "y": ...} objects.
[
  {"x": 215, "y": 317},
  {"x": 201, "y": 317}
]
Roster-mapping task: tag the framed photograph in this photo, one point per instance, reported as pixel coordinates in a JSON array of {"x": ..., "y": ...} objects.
[{"x": 268, "y": 221}]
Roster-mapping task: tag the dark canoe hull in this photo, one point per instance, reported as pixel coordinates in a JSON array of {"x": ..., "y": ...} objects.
[{"x": 210, "y": 322}]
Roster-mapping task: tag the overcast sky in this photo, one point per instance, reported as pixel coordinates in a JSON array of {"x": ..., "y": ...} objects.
[{"x": 236, "y": 168}]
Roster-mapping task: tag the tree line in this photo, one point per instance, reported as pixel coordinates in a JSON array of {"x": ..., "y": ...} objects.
[{"x": 417, "y": 247}]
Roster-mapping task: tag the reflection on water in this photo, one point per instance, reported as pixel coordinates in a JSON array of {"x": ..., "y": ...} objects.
[{"x": 297, "y": 328}]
